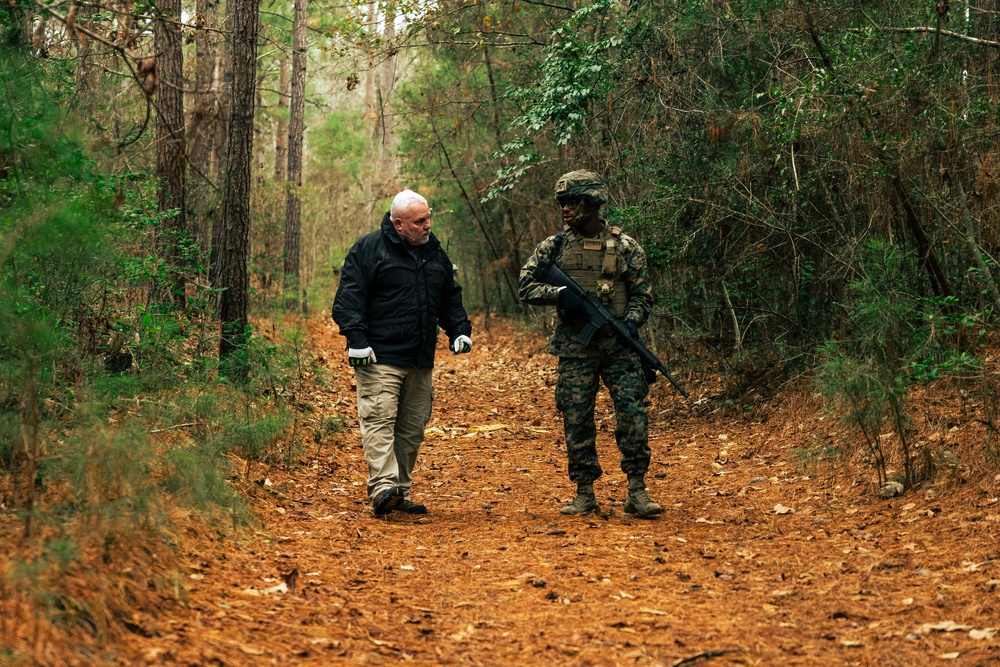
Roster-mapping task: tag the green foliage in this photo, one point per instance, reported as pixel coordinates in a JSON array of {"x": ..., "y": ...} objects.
[
  {"x": 106, "y": 472},
  {"x": 333, "y": 424},
  {"x": 866, "y": 377},
  {"x": 572, "y": 77},
  {"x": 338, "y": 144},
  {"x": 254, "y": 438},
  {"x": 76, "y": 270},
  {"x": 197, "y": 477},
  {"x": 861, "y": 393}
]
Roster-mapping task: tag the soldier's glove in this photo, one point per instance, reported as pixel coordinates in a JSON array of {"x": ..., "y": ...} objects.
[
  {"x": 361, "y": 357},
  {"x": 632, "y": 329},
  {"x": 571, "y": 307},
  {"x": 462, "y": 344}
]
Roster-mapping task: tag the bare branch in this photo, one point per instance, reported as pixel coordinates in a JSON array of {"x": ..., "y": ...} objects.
[{"x": 946, "y": 33}]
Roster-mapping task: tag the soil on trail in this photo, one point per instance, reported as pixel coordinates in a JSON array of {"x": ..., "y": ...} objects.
[{"x": 756, "y": 560}]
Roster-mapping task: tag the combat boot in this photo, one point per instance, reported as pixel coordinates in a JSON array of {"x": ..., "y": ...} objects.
[
  {"x": 584, "y": 501},
  {"x": 638, "y": 502}
]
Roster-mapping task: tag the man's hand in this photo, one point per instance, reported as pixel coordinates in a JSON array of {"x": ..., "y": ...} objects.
[
  {"x": 462, "y": 344},
  {"x": 571, "y": 308},
  {"x": 632, "y": 329},
  {"x": 361, "y": 357}
]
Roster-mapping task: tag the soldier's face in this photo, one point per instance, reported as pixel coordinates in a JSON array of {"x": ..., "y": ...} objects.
[
  {"x": 577, "y": 211},
  {"x": 414, "y": 223}
]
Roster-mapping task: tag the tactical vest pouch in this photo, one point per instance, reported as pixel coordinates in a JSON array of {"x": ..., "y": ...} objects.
[
  {"x": 610, "y": 266},
  {"x": 606, "y": 291}
]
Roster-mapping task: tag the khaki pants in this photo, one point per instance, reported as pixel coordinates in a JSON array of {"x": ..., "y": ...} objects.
[{"x": 394, "y": 405}]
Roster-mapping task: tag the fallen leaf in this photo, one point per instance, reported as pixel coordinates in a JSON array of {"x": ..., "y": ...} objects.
[
  {"x": 280, "y": 588},
  {"x": 490, "y": 428},
  {"x": 941, "y": 626},
  {"x": 781, "y": 509},
  {"x": 654, "y": 612}
]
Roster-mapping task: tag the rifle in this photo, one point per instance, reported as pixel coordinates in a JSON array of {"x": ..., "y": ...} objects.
[{"x": 598, "y": 316}]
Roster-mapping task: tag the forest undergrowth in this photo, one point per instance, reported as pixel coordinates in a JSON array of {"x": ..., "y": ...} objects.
[{"x": 201, "y": 525}]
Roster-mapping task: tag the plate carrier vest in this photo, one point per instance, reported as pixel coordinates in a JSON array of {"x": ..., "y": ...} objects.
[{"x": 593, "y": 264}]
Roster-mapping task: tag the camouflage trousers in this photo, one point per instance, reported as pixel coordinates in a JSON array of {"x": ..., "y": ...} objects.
[{"x": 576, "y": 393}]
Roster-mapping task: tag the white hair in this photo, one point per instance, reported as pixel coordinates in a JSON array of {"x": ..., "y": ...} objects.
[{"x": 405, "y": 200}]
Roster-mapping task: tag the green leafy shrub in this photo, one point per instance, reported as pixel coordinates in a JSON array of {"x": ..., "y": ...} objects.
[{"x": 866, "y": 375}]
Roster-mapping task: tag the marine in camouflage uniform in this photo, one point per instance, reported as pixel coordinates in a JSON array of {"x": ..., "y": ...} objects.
[{"x": 612, "y": 265}]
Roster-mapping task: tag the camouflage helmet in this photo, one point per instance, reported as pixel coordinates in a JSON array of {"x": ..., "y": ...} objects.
[{"x": 582, "y": 183}]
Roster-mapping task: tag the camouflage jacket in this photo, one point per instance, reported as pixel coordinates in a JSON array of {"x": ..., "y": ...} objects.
[{"x": 604, "y": 343}]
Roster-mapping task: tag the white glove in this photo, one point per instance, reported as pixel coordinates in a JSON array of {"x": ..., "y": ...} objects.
[
  {"x": 462, "y": 344},
  {"x": 361, "y": 357}
]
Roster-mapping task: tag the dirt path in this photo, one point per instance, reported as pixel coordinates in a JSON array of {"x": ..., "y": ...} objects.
[{"x": 494, "y": 575}]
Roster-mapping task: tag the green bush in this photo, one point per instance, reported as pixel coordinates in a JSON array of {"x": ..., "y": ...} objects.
[
  {"x": 197, "y": 477},
  {"x": 866, "y": 375}
]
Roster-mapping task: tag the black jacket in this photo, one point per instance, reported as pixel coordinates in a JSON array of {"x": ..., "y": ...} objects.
[{"x": 393, "y": 296}]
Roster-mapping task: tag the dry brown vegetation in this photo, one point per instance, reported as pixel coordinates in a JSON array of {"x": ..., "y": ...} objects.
[{"x": 765, "y": 555}]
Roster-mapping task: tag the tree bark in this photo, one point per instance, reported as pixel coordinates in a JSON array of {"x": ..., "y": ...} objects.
[
  {"x": 387, "y": 122},
  {"x": 371, "y": 94},
  {"x": 204, "y": 130},
  {"x": 234, "y": 239},
  {"x": 281, "y": 131},
  {"x": 371, "y": 112},
  {"x": 224, "y": 87},
  {"x": 296, "y": 129},
  {"x": 170, "y": 146}
]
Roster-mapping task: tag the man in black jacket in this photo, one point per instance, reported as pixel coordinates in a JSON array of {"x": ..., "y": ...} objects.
[{"x": 397, "y": 286}]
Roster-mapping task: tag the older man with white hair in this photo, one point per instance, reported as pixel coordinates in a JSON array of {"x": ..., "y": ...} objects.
[{"x": 397, "y": 286}]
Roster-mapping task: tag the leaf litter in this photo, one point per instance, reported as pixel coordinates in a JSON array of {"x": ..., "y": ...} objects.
[{"x": 720, "y": 577}]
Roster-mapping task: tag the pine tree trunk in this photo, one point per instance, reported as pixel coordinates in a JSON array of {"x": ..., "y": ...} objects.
[
  {"x": 296, "y": 128},
  {"x": 371, "y": 114},
  {"x": 204, "y": 130},
  {"x": 234, "y": 239},
  {"x": 387, "y": 86},
  {"x": 371, "y": 95},
  {"x": 170, "y": 147},
  {"x": 224, "y": 86},
  {"x": 281, "y": 131}
]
